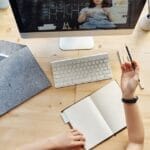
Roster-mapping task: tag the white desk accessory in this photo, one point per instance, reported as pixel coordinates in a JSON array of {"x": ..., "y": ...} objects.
[
  {"x": 4, "y": 4},
  {"x": 145, "y": 20}
]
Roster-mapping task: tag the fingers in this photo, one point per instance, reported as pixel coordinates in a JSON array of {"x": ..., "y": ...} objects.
[
  {"x": 126, "y": 67},
  {"x": 137, "y": 68},
  {"x": 79, "y": 138},
  {"x": 79, "y": 143},
  {"x": 78, "y": 148},
  {"x": 76, "y": 132},
  {"x": 135, "y": 63}
]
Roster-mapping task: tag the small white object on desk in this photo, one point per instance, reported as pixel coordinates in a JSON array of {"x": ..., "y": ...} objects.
[
  {"x": 4, "y": 4},
  {"x": 145, "y": 23}
]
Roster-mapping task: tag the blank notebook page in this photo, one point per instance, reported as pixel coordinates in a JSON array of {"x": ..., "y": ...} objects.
[
  {"x": 85, "y": 117},
  {"x": 108, "y": 101}
]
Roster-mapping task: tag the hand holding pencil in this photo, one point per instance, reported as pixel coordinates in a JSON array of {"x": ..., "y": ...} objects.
[
  {"x": 133, "y": 64},
  {"x": 129, "y": 79}
]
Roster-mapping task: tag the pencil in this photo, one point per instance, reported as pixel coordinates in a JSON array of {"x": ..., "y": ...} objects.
[
  {"x": 133, "y": 66},
  {"x": 130, "y": 57}
]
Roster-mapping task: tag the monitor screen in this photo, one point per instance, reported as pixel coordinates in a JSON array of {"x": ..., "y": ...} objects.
[{"x": 73, "y": 15}]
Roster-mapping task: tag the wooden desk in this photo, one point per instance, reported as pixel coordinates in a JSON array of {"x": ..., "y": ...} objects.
[{"x": 39, "y": 117}]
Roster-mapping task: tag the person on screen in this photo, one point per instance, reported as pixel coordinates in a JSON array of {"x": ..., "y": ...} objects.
[
  {"x": 95, "y": 16},
  {"x": 74, "y": 140}
]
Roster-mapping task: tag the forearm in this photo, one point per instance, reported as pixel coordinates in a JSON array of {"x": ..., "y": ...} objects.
[
  {"x": 81, "y": 18},
  {"x": 134, "y": 123},
  {"x": 108, "y": 13},
  {"x": 110, "y": 16},
  {"x": 45, "y": 144}
]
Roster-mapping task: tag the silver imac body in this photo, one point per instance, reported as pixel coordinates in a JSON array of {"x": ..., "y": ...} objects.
[{"x": 75, "y": 21}]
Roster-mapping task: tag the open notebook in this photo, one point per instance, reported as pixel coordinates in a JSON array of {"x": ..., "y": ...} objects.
[{"x": 98, "y": 116}]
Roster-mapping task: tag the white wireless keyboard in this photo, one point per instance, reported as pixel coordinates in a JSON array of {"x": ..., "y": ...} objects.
[{"x": 81, "y": 70}]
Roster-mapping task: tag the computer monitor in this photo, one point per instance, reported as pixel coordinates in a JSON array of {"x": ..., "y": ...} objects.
[{"x": 75, "y": 19}]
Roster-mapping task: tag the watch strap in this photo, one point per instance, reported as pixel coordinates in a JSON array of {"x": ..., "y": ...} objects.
[{"x": 130, "y": 101}]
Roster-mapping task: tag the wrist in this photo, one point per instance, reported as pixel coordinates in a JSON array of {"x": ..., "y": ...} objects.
[
  {"x": 53, "y": 144},
  {"x": 48, "y": 143},
  {"x": 128, "y": 96}
]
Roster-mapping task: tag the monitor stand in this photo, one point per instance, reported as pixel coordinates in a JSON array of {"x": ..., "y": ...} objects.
[{"x": 76, "y": 43}]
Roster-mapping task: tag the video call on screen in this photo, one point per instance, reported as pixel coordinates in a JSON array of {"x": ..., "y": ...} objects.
[{"x": 64, "y": 15}]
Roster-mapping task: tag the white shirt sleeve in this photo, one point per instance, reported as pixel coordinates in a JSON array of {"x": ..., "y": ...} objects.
[{"x": 84, "y": 10}]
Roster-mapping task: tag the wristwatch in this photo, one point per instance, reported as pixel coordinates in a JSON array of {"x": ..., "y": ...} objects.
[{"x": 130, "y": 101}]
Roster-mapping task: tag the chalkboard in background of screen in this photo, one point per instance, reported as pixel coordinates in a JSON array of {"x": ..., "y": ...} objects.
[
  {"x": 35, "y": 13},
  {"x": 30, "y": 14}
]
